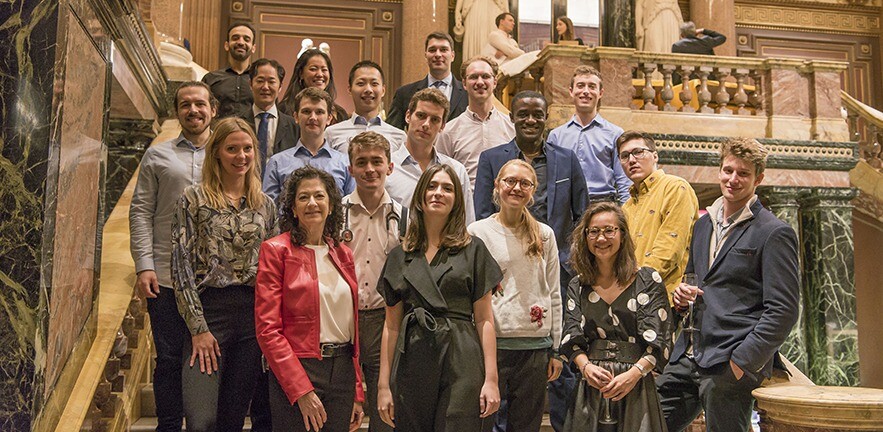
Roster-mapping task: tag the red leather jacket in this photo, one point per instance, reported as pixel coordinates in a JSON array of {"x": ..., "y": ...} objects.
[{"x": 287, "y": 310}]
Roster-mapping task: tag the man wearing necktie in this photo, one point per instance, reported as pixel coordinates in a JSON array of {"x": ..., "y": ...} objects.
[
  {"x": 439, "y": 56},
  {"x": 276, "y": 131}
]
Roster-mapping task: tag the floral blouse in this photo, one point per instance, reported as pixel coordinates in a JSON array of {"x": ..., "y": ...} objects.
[{"x": 214, "y": 248}]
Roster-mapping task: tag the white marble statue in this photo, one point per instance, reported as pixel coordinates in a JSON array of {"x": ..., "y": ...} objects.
[
  {"x": 657, "y": 25},
  {"x": 474, "y": 21}
]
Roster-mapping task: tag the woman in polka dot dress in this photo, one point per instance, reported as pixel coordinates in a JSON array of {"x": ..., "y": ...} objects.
[{"x": 617, "y": 328}]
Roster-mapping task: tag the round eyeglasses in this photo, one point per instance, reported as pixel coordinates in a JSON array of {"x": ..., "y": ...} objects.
[
  {"x": 510, "y": 183},
  {"x": 608, "y": 232}
]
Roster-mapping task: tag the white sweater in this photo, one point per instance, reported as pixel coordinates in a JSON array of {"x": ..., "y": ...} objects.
[{"x": 527, "y": 281}]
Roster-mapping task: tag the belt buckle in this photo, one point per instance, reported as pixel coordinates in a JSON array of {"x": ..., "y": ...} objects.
[
  {"x": 610, "y": 354},
  {"x": 326, "y": 350}
]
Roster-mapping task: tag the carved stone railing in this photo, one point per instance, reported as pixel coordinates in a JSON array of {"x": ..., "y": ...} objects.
[
  {"x": 667, "y": 93},
  {"x": 866, "y": 127}
]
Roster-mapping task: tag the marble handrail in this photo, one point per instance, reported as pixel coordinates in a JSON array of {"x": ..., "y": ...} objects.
[{"x": 865, "y": 126}]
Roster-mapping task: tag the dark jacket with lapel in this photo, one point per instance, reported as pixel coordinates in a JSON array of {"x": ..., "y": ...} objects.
[
  {"x": 703, "y": 45},
  {"x": 566, "y": 193},
  {"x": 751, "y": 293},
  {"x": 399, "y": 105},
  {"x": 287, "y": 130}
]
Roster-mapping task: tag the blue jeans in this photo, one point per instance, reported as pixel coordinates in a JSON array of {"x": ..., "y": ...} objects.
[{"x": 169, "y": 334}]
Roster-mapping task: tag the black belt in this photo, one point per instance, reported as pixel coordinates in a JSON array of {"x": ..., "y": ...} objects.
[
  {"x": 423, "y": 318},
  {"x": 328, "y": 350},
  {"x": 602, "y": 198},
  {"x": 613, "y": 350}
]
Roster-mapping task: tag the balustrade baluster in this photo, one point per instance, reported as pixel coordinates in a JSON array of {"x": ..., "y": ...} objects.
[
  {"x": 722, "y": 98},
  {"x": 537, "y": 78},
  {"x": 649, "y": 93},
  {"x": 704, "y": 94},
  {"x": 852, "y": 122},
  {"x": 686, "y": 93},
  {"x": 667, "y": 93},
  {"x": 740, "y": 98},
  {"x": 755, "y": 98}
]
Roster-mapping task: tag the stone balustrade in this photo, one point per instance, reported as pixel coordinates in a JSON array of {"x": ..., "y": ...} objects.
[
  {"x": 866, "y": 127},
  {"x": 801, "y": 408},
  {"x": 787, "y": 99}
]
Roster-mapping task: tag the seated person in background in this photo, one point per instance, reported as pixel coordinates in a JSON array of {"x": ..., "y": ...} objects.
[
  {"x": 481, "y": 126},
  {"x": 313, "y": 69},
  {"x": 564, "y": 31},
  {"x": 366, "y": 86},
  {"x": 312, "y": 114},
  {"x": 501, "y": 46},
  {"x": 697, "y": 41}
]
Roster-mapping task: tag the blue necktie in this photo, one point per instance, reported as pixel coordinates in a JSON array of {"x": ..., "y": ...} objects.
[
  {"x": 439, "y": 85},
  {"x": 263, "y": 136}
]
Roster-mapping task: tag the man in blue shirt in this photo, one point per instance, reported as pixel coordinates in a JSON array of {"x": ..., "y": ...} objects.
[
  {"x": 593, "y": 139},
  {"x": 312, "y": 113}
]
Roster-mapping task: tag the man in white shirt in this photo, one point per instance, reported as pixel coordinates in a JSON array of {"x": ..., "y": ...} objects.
[
  {"x": 366, "y": 86},
  {"x": 426, "y": 118},
  {"x": 481, "y": 127},
  {"x": 373, "y": 225},
  {"x": 501, "y": 46},
  {"x": 275, "y": 131}
]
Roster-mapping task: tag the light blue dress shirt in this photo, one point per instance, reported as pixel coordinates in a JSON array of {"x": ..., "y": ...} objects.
[
  {"x": 282, "y": 164},
  {"x": 595, "y": 147}
]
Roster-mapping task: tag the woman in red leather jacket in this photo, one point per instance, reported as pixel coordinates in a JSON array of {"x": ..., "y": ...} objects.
[{"x": 306, "y": 311}]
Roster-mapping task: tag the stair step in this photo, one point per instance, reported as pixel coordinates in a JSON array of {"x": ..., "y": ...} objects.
[
  {"x": 148, "y": 402},
  {"x": 148, "y": 424}
]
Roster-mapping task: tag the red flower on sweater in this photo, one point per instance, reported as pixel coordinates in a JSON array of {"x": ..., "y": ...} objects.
[{"x": 537, "y": 314}]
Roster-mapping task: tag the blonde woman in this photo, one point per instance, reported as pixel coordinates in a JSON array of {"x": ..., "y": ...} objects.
[
  {"x": 216, "y": 232},
  {"x": 438, "y": 358},
  {"x": 527, "y": 308}
]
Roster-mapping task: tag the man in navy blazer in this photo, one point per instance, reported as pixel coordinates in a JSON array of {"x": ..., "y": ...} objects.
[
  {"x": 745, "y": 261},
  {"x": 560, "y": 198},
  {"x": 439, "y": 56}
]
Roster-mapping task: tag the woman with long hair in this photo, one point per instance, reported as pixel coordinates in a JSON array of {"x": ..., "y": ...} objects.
[
  {"x": 307, "y": 311},
  {"x": 617, "y": 328},
  {"x": 313, "y": 69},
  {"x": 564, "y": 31},
  {"x": 216, "y": 232},
  {"x": 438, "y": 365},
  {"x": 527, "y": 307}
]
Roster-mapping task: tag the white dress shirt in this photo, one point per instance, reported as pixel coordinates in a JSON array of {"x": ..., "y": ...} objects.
[
  {"x": 339, "y": 135},
  {"x": 465, "y": 137},
  {"x": 403, "y": 180},
  {"x": 447, "y": 88}
]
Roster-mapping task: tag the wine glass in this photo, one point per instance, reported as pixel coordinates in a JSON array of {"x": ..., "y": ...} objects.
[
  {"x": 607, "y": 422},
  {"x": 691, "y": 280}
]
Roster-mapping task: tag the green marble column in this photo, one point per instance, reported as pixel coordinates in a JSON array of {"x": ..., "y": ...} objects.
[
  {"x": 783, "y": 202},
  {"x": 828, "y": 280}
]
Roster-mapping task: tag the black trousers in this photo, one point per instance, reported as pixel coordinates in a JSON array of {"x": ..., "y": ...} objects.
[
  {"x": 370, "y": 331},
  {"x": 523, "y": 376},
  {"x": 169, "y": 336},
  {"x": 219, "y": 402},
  {"x": 334, "y": 380},
  {"x": 685, "y": 389}
]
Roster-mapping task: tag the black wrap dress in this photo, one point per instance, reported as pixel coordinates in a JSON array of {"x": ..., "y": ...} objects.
[
  {"x": 438, "y": 369},
  {"x": 640, "y": 315}
]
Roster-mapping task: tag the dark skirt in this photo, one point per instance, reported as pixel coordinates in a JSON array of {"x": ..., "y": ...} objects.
[{"x": 639, "y": 411}]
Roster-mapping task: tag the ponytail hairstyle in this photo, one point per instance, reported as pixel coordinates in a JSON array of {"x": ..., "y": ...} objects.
[{"x": 528, "y": 230}]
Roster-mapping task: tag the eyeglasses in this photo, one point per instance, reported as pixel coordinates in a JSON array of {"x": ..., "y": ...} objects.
[
  {"x": 638, "y": 153},
  {"x": 608, "y": 232},
  {"x": 510, "y": 183}
]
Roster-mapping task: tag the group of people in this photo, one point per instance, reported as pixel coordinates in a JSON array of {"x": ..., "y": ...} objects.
[{"x": 460, "y": 267}]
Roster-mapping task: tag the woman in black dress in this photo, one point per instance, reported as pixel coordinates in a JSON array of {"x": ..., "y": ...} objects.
[
  {"x": 438, "y": 362},
  {"x": 617, "y": 328}
]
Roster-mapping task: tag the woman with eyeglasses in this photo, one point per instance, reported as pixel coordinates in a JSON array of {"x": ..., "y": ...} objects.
[
  {"x": 438, "y": 361},
  {"x": 527, "y": 308},
  {"x": 617, "y": 328}
]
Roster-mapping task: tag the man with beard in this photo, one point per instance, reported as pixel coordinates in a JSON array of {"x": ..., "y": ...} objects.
[
  {"x": 366, "y": 86},
  {"x": 275, "y": 130},
  {"x": 559, "y": 200},
  {"x": 439, "y": 56},
  {"x": 481, "y": 126},
  {"x": 231, "y": 85},
  {"x": 166, "y": 169}
]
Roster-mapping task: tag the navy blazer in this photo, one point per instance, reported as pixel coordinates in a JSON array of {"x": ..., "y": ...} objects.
[
  {"x": 566, "y": 193},
  {"x": 399, "y": 106},
  {"x": 751, "y": 293},
  {"x": 287, "y": 130}
]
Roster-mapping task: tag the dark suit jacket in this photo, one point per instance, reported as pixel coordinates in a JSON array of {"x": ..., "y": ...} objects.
[
  {"x": 287, "y": 130},
  {"x": 399, "y": 106},
  {"x": 566, "y": 193},
  {"x": 703, "y": 45},
  {"x": 751, "y": 293}
]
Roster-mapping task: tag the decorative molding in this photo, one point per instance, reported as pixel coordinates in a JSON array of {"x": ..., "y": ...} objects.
[{"x": 839, "y": 20}]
